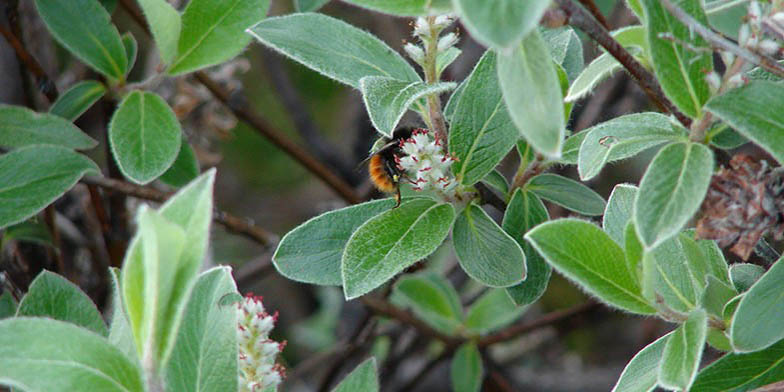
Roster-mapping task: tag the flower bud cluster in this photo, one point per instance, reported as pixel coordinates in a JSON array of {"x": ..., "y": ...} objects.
[
  {"x": 257, "y": 352},
  {"x": 426, "y": 164},
  {"x": 428, "y": 30},
  {"x": 751, "y": 34}
]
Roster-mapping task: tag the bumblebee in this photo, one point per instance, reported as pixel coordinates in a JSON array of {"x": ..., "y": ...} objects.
[{"x": 382, "y": 164}]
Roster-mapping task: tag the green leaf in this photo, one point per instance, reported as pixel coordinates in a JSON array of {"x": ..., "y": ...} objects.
[
  {"x": 120, "y": 334},
  {"x": 726, "y": 138},
  {"x": 639, "y": 375},
  {"x": 362, "y": 379},
  {"x": 634, "y": 252},
  {"x": 32, "y": 177},
  {"x": 582, "y": 252},
  {"x": 744, "y": 275},
  {"x": 184, "y": 169},
  {"x": 7, "y": 305},
  {"x": 500, "y": 23},
  {"x": 718, "y": 340},
  {"x": 387, "y": 99},
  {"x": 27, "y": 231},
  {"x": 205, "y": 354},
  {"x": 131, "y": 49},
  {"x": 145, "y": 136},
  {"x": 86, "y": 30},
  {"x": 726, "y": 16},
  {"x": 757, "y": 322},
  {"x": 311, "y": 253},
  {"x": 388, "y": 243},
  {"x": 716, "y": 295},
  {"x": 51, "y": 295},
  {"x": 213, "y": 32},
  {"x": 567, "y": 193},
  {"x": 38, "y": 354},
  {"x": 636, "y": 7},
  {"x": 497, "y": 181},
  {"x": 679, "y": 285},
  {"x": 764, "y": 125},
  {"x": 566, "y": 49},
  {"x": 466, "y": 369},
  {"x": 492, "y": 311},
  {"x": 619, "y": 212},
  {"x": 682, "y": 353},
  {"x": 405, "y": 7},
  {"x": 309, "y": 5},
  {"x": 432, "y": 298},
  {"x": 623, "y": 137},
  {"x": 742, "y": 372},
  {"x": 531, "y": 88},
  {"x": 716, "y": 264},
  {"x": 523, "y": 212},
  {"x": 671, "y": 191},
  {"x": 77, "y": 99},
  {"x": 679, "y": 68},
  {"x": 481, "y": 132},
  {"x": 571, "y": 148},
  {"x": 110, "y": 5},
  {"x": 23, "y": 127},
  {"x": 310, "y": 40},
  {"x": 485, "y": 251},
  {"x": 165, "y": 24},
  {"x": 594, "y": 73},
  {"x": 446, "y": 58}
]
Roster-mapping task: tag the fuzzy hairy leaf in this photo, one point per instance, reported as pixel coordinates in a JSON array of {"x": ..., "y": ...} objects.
[
  {"x": 500, "y": 23},
  {"x": 639, "y": 375},
  {"x": 165, "y": 24},
  {"x": 682, "y": 353},
  {"x": 567, "y": 193},
  {"x": 21, "y": 127},
  {"x": 76, "y": 100},
  {"x": 756, "y": 324}
]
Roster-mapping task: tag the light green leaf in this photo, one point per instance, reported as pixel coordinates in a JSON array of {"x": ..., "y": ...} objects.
[
  {"x": 679, "y": 285},
  {"x": 205, "y": 354},
  {"x": 362, "y": 379},
  {"x": 7, "y": 305},
  {"x": 523, "y": 212},
  {"x": 492, "y": 311},
  {"x": 532, "y": 91},
  {"x": 597, "y": 71},
  {"x": 500, "y": 23},
  {"x": 742, "y": 372},
  {"x": 387, "y": 99},
  {"x": 309, "y": 5},
  {"x": 86, "y": 30},
  {"x": 566, "y": 49},
  {"x": 32, "y": 177},
  {"x": 567, "y": 193},
  {"x": 716, "y": 264},
  {"x": 311, "y": 253},
  {"x": 481, "y": 132},
  {"x": 764, "y": 125},
  {"x": 77, "y": 99},
  {"x": 213, "y": 32},
  {"x": 682, "y": 353},
  {"x": 727, "y": 16},
  {"x": 634, "y": 252},
  {"x": 671, "y": 191},
  {"x": 433, "y": 299},
  {"x": 131, "y": 49},
  {"x": 446, "y": 58},
  {"x": 571, "y": 148},
  {"x": 388, "y": 243},
  {"x": 405, "y": 7},
  {"x": 51, "y": 295},
  {"x": 623, "y": 137},
  {"x": 144, "y": 135},
  {"x": 636, "y": 7},
  {"x": 716, "y": 295},
  {"x": 618, "y": 212},
  {"x": 757, "y": 322},
  {"x": 165, "y": 24},
  {"x": 120, "y": 334},
  {"x": 679, "y": 68},
  {"x": 38, "y": 354},
  {"x": 497, "y": 180},
  {"x": 310, "y": 39},
  {"x": 744, "y": 275},
  {"x": 582, "y": 252},
  {"x": 485, "y": 251},
  {"x": 639, "y": 375},
  {"x": 184, "y": 169},
  {"x": 23, "y": 127},
  {"x": 466, "y": 369}
]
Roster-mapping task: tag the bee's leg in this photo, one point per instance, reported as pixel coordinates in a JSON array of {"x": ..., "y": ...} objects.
[{"x": 397, "y": 196}]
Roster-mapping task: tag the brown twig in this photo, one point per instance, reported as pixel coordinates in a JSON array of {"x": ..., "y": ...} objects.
[
  {"x": 425, "y": 371},
  {"x": 231, "y": 222},
  {"x": 45, "y": 85},
  {"x": 384, "y": 308},
  {"x": 590, "y": 5},
  {"x": 579, "y": 18},
  {"x": 519, "y": 329}
]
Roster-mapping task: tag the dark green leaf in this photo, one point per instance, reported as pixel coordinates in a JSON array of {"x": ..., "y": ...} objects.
[
  {"x": 744, "y": 275},
  {"x": 131, "y": 49},
  {"x": 716, "y": 295},
  {"x": 362, "y": 379},
  {"x": 184, "y": 169},
  {"x": 466, "y": 370},
  {"x": 525, "y": 211},
  {"x": 77, "y": 99},
  {"x": 23, "y": 127},
  {"x": 7, "y": 305},
  {"x": 742, "y": 372},
  {"x": 492, "y": 311},
  {"x": 433, "y": 299},
  {"x": 309, "y": 5},
  {"x": 757, "y": 322}
]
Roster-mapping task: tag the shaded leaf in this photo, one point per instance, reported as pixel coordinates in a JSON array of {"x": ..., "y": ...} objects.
[
  {"x": 433, "y": 299},
  {"x": 76, "y": 100},
  {"x": 466, "y": 369},
  {"x": 567, "y": 193},
  {"x": 492, "y": 311},
  {"x": 362, "y": 378},
  {"x": 619, "y": 211},
  {"x": 682, "y": 353},
  {"x": 742, "y": 372},
  {"x": 639, "y": 375},
  {"x": 23, "y": 127},
  {"x": 757, "y": 321}
]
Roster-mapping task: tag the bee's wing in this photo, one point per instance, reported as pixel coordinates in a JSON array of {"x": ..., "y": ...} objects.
[{"x": 379, "y": 151}]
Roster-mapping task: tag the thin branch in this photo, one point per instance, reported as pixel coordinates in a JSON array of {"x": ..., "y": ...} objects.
[
  {"x": 425, "y": 371},
  {"x": 45, "y": 85},
  {"x": 720, "y": 42},
  {"x": 590, "y": 5},
  {"x": 232, "y": 223},
  {"x": 519, "y": 329},
  {"x": 384, "y": 308},
  {"x": 579, "y": 18}
]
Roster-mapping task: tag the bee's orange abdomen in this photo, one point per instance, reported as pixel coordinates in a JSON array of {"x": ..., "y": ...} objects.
[{"x": 379, "y": 175}]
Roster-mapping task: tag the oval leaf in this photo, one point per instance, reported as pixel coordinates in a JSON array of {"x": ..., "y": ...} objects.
[
  {"x": 757, "y": 321},
  {"x": 485, "y": 251},
  {"x": 585, "y": 254},
  {"x": 80, "y": 97},
  {"x": 639, "y": 375},
  {"x": 671, "y": 191},
  {"x": 214, "y": 32},
  {"x": 145, "y": 136},
  {"x": 466, "y": 369},
  {"x": 51, "y": 295},
  {"x": 432, "y": 298},
  {"x": 567, "y": 193},
  {"x": 310, "y": 39},
  {"x": 683, "y": 352},
  {"x": 500, "y": 23},
  {"x": 32, "y": 177},
  {"x": 493, "y": 310},
  {"x": 311, "y": 252},
  {"x": 388, "y": 243},
  {"x": 165, "y": 24},
  {"x": 532, "y": 92},
  {"x": 619, "y": 211},
  {"x": 481, "y": 132},
  {"x": 405, "y": 7},
  {"x": 744, "y": 275},
  {"x": 23, "y": 127},
  {"x": 742, "y": 372},
  {"x": 184, "y": 169},
  {"x": 86, "y": 30}
]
